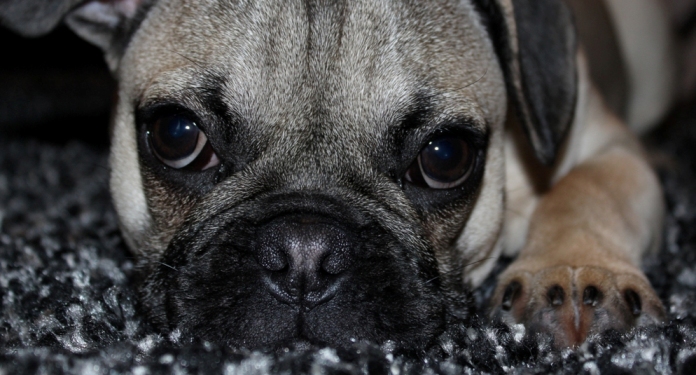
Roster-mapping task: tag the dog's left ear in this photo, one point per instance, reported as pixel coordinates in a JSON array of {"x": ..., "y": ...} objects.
[
  {"x": 537, "y": 44},
  {"x": 108, "y": 24}
]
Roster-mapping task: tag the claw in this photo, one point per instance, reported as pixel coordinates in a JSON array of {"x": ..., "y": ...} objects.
[
  {"x": 512, "y": 291},
  {"x": 591, "y": 296},
  {"x": 556, "y": 295},
  {"x": 634, "y": 302}
]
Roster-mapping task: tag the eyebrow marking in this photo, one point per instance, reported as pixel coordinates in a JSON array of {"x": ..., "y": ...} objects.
[
  {"x": 210, "y": 94},
  {"x": 422, "y": 119}
]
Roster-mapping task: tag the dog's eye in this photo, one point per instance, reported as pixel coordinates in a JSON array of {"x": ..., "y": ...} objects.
[
  {"x": 444, "y": 163},
  {"x": 177, "y": 141}
]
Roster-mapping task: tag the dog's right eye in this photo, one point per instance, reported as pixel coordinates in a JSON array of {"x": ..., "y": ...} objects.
[{"x": 177, "y": 142}]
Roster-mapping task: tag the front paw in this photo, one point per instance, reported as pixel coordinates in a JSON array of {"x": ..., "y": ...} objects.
[{"x": 571, "y": 303}]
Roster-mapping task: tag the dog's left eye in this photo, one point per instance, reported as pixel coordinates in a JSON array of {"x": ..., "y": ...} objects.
[
  {"x": 177, "y": 142},
  {"x": 445, "y": 162}
]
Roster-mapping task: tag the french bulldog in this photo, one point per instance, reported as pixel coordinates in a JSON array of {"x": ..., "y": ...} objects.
[{"x": 326, "y": 171}]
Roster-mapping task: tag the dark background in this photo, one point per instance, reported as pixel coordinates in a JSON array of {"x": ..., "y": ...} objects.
[{"x": 54, "y": 88}]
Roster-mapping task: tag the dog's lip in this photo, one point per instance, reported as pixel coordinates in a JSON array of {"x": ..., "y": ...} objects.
[{"x": 311, "y": 298}]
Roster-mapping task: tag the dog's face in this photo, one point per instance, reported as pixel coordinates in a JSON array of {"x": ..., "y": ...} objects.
[
  {"x": 308, "y": 171},
  {"x": 320, "y": 171}
]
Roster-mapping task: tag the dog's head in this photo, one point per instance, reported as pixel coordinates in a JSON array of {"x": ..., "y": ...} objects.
[{"x": 320, "y": 171}]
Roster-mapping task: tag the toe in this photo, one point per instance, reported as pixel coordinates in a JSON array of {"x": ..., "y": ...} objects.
[{"x": 572, "y": 303}]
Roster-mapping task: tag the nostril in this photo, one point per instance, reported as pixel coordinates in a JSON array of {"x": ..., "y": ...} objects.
[
  {"x": 338, "y": 259},
  {"x": 271, "y": 257},
  {"x": 335, "y": 265}
]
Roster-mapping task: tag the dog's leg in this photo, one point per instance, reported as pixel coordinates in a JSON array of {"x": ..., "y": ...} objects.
[{"x": 578, "y": 271}]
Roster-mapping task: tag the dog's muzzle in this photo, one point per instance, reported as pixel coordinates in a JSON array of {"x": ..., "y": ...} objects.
[{"x": 296, "y": 268}]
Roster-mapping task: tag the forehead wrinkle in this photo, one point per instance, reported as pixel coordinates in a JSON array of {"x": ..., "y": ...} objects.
[
  {"x": 264, "y": 69},
  {"x": 363, "y": 81},
  {"x": 268, "y": 65},
  {"x": 379, "y": 73},
  {"x": 256, "y": 44}
]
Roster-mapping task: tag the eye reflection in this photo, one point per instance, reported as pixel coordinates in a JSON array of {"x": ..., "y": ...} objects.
[{"x": 444, "y": 163}]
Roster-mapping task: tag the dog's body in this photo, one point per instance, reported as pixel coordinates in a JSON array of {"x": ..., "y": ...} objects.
[{"x": 322, "y": 208}]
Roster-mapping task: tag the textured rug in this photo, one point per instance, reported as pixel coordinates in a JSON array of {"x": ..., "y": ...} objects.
[{"x": 68, "y": 305}]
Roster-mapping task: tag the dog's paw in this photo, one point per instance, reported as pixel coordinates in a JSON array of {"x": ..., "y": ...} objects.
[{"x": 572, "y": 303}]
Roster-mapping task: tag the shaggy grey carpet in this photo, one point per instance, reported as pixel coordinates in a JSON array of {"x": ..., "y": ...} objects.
[{"x": 68, "y": 305}]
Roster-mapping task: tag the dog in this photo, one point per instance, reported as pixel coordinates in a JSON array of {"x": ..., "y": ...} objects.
[{"x": 294, "y": 173}]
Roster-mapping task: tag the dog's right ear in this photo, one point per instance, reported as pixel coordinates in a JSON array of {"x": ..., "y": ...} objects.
[{"x": 108, "y": 24}]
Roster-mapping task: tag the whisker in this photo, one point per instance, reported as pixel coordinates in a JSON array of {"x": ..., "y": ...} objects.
[
  {"x": 480, "y": 261},
  {"x": 166, "y": 265},
  {"x": 198, "y": 63},
  {"x": 485, "y": 73}
]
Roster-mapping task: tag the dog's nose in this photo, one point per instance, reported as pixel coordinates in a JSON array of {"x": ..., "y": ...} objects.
[{"x": 305, "y": 258}]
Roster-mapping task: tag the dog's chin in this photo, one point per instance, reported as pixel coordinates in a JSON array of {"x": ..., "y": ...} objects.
[{"x": 230, "y": 284}]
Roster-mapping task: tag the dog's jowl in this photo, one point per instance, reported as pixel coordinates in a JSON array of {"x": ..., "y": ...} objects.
[{"x": 324, "y": 172}]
